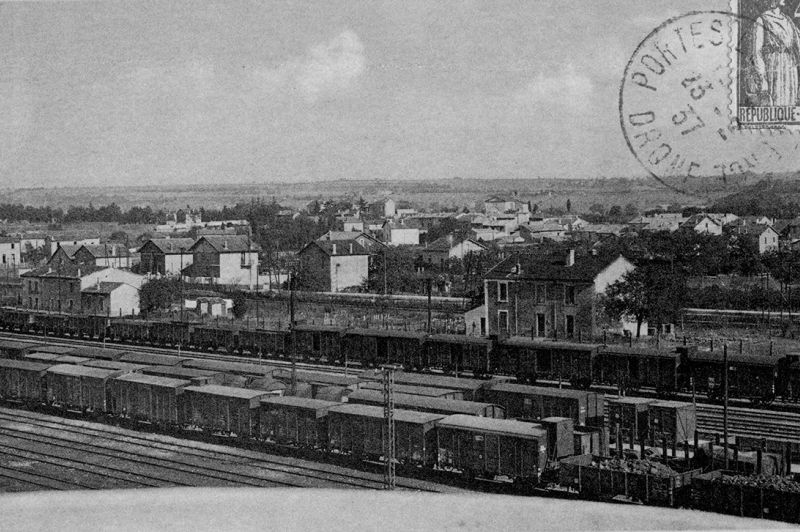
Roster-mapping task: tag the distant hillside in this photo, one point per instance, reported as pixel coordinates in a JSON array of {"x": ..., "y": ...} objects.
[{"x": 776, "y": 198}]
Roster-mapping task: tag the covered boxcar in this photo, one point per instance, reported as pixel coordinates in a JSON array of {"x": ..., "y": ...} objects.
[
  {"x": 198, "y": 377},
  {"x": 531, "y": 360},
  {"x": 169, "y": 333},
  {"x": 261, "y": 341},
  {"x": 146, "y": 397},
  {"x": 536, "y": 402},
  {"x": 295, "y": 421},
  {"x": 222, "y": 409},
  {"x": 100, "y": 353},
  {"x": 749, "y": 376},
  {"x": 471, "y": 389},
  {"x": 455, "y": 353},
  {"x": 22, "y": 381},
  {"x": 631, "y": 368},
  {"x": 213, "y": 338},
  {"x": 422, "y": 391},
  {"x": 314, "y": 342},
  {"x": 152, "y": 359},
  {"x": 19, "y": 320},
  {"x": 629, "y": 417},
  {"x": 130, "y": 330},
  {"x": 50, "y": 324},
  {"x": 234, "y": 368},
  {"x": 116, "y": 366},
  {"x": 671, "y": 420},
  {"x": 16, "y": 349},
  {"x": 87, "y": 326},
  {"x": 373, "y": 347},
  {"x": 359, "y": 430},
  {"x": 78, "y": 387},
  {"x": 489, "y": 448},
  {"x": 434, "y": 405}
]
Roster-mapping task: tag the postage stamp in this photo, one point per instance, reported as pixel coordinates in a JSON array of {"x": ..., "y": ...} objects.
[
  {"x": 766, "y": 64},
  {"x": 681, "y": 107}
]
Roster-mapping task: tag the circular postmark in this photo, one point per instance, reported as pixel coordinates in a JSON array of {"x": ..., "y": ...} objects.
[{"x": 678, "y": 109}]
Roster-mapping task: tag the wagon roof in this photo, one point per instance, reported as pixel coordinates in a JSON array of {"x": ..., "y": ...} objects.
[
  {"x": 431, "y": 380},
  {"x": 189, "y": 373},
  {"x": 227, "y": 391},
  {"x": 164, "y": 382},
  {"x": 418, "y": 401},
  {"x": 317, "y": 377},
  {"x": 496, "y": 426},
  {"x": 459, "y": 339},
  {"x": 69, "y": 359},
  {"x": 111, "y": 364},
  {"x": 23, "y": 364},
  {"x": 317, "y": 328},
  {"x": 152, "y": 359},
  {"x": 631, "y": 401},
  {"x": 299, "y": 402},
  {"x": 410, "y": 389},
  {"x": 82, "y": 371},
  {"x": 47, "y": 357},
  {"x": 14, "y": 344},
  {"x": 404, "y": 416},
  {"x": 734, "y": 358},
  {"x": 523, "y": 341},
  {"x": 56, "y": 349},
  {"x": 230, "y": 367},
  {"x": 671, "y": 404},
  {"x": 386, "y": 333},
  {"x": 99, "y": 352},
  {"x": 539, "y": 390},
  {"x": 614, "y": 350}
]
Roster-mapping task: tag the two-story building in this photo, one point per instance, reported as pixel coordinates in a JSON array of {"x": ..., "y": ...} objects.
[
  {"x": 333, "y": 265},
  {"x": 767, "y": 239},
  {"x": 10, "y": 252},
  {"x": 547, "y": 297},
  {"x": 442, "y": 250},
  {"x": 218, "y": 259},
  {"x": 166, "y": 256},
  {"x": 400, "y": 235},
  {"x": 104, "y": 255}
]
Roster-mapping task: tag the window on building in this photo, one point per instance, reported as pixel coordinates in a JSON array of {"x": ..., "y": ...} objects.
[
  {"x": 502, "y": 320},
  {"x": 244, "y": 258},
  {"x": 483, "y": 326},
  {"x": 540, "y": 325},
  {"x": 71, "y": 288},
  {"x": 570, "y": 326},
  {"x": 102, "y": 303},
  {"x": 36, "y": 287},
  {"x": 37, "y": 303},
  {"x": 12, "y": 246},
  {"x": 541, "y": 293},
  {"x": 569, "y": 295},
  {"x": 4, "y": 259},
  {"x": 71, "y": 305},
  {"x": 30, "y": 286},
  {"x": 59, "y": 305},
  {"x": 502, "y": 292},
  {"x": 30, "y": 302},
  {"x": 316, "y": 342}
]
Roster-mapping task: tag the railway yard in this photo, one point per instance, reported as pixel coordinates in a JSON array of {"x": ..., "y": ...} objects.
[{"x": 111, "y": 411}]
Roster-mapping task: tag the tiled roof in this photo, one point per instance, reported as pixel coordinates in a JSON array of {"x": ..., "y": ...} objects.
[
  {"x": 170, "y": 245},
  {"x": 101, "y": 251},
  {"x": 343, "y": 247},
  {"x": 64, "y": 271},
  {"x": 102, "y": 288},
  {"x": 585, "y": 268},
  {"x": 228, "y": 243}
]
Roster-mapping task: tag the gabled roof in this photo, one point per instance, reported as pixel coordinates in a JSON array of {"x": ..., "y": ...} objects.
[
  {"x": 585, "y": 268},
  {"x": 64, "y": 271},
  {"x": 170, "y": 246},
  {"x": 695, "y": 220},
  {"x": 755, "y": 229},
  {"x": 102, "y": 251},
  {"x": 227, "y": 243},
  {"x": 446, "y": 243},
  {"x": 497, "y": 199},
  {"x": 101, "y": 288},
  {"x": 343, "y": 247}
]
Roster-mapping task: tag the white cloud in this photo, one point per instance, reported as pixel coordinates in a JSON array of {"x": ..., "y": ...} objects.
[
  {"x": 324, "y": 69},
  {"x": 567, "y": 89}
]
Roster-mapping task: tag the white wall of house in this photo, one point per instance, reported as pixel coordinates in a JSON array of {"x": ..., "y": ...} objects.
[
  {"x": 613, "y": 273},
  {"x": 402, "y": 236},
  {"x": 462, "y": 249},
  {"x": 122, "y": 301},
  {"x": 768, "y": 241},
  {"x": 238, "y": 268},
  {"x": 174, "y": 263},
  {"x": 348, "y": 271},
  {"x": 10, "y": 253}
]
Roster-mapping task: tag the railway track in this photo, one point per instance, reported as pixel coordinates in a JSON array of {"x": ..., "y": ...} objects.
[
  {"x": 750, "y": 422},
  {"x": 102, "y": 456}
]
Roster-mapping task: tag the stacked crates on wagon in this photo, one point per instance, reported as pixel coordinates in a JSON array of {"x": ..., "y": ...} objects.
[
  {"x": 433, "y": 405},
  {"x": 295, "y": 421},
  {"x": 489, "y": 448},
  {"x": 374, "y": 347},
  {"x": 358, "y": 430},
  {"x": 146, "y": 397},
  {"x": 22, "y": 381}
]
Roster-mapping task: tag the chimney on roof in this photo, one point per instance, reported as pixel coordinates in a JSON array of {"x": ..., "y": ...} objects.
[
  {"x": 224, "y": 244},
  {"x": 351, "y": 248},
  {"x": 571, "y": 258},
  {"x": 334, "y": 250}
]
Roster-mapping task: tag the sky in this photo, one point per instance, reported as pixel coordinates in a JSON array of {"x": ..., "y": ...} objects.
[{"x": 197, "y": 92}]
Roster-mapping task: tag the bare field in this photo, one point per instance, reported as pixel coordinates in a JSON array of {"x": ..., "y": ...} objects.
[{"x": 425, "y": 195}]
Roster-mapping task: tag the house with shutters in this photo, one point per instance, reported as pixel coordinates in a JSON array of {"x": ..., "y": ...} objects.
[
  {"x": 224, "y": 259},
  {"x": 550, "y": 296},
  {"x": 166, "y": 256}
]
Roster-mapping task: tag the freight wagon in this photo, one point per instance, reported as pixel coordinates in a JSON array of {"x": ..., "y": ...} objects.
[
  {"x": 454, "y": 353},
  {"x": 22, "y": 381},
  {"x": 78, "y": 388},
  {"x": 433, "y": 405},
  {"x": 260, "y": 342},
  {"x": 533, "y": 402},
  {"x": 358, "y": 430},
  {"x": 632, "y": 368},
  {"x": 232, "y": 411},
  {"x": 371, "y": 347},
  {"x": 753, "y": 377},
  {"x": 532, "y": 360},
  {"x": 146, "y": 398},
  {"x": 724, "y": 492},
  {"x": 422, "y": 391},
  {"x": 295, "y": 421},
  {"x": 317, "y": 342},
  {"x": 15, "y": 349},
  {"x": 488, "y": 448}
]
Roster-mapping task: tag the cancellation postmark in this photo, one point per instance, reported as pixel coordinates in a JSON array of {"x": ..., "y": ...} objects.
[{"x": 679, "y": 112}]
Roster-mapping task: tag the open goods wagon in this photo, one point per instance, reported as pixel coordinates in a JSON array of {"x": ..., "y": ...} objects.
[
  {"x": 532, "y": 360},
  {"x": 213, "y": 338},
  {"x": 489, "y": 448},
  {"x": 763, "y": 497},
  {"x": 358, "y": 430},
  {"x": 295, "y": 421},
  {"x": 22, "y": 381},
  {"x": 597, "y": 477},
  {"x": 371, "y": 347}
]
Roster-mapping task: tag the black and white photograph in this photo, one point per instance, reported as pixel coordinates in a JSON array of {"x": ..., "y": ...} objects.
[{"x": 469, "y": 265}]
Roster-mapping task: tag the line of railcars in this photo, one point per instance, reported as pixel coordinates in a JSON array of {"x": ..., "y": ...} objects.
[{"x": 668, "y": 371}]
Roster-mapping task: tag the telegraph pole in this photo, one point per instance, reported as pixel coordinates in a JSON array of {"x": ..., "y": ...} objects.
[
  {"x": 389, "y": 450},
  {"x": 430, "y": 290},
  {"x": 725, "y": 404},
  {"x": 292, "y": 281}
]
